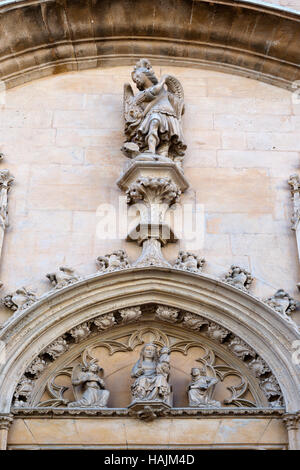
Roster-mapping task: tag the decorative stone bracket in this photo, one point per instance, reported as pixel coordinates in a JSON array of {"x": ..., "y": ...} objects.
[{"x": 153, "y": 187}]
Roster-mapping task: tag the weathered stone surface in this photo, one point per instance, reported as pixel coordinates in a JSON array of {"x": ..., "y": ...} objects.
[
  {"x": 130, "y": 432},
  {"x": 81, "y": 37},
  {"x": 246, "y": 204}
]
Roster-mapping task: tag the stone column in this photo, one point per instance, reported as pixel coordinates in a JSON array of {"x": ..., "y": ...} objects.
[
  {"x": 5, "y": 422},
  {"x": 294, "y": 182},
  {"x": 292, "y": 423},
  {"x": 5, "y": 183}
]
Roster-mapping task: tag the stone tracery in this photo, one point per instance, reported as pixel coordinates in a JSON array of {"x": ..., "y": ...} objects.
[{"x": 58, "y": 348}]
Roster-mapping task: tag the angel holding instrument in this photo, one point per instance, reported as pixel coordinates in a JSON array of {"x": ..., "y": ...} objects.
[
  {"x": 89, "y": 389},
  {"x": 153, "y": 115}
]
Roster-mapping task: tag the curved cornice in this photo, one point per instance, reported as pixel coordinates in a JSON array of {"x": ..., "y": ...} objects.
[
  {"x": 29, "y": 332},
  {"x": 44, "y": 37}
]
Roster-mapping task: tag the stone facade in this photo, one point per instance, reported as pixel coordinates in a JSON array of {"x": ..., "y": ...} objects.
[
  {"x": 130, "y": 333},
  {"x": 205, "y": 433},
  {"x": 66, "y": 158},
  {"x": 292, "y": 4}
]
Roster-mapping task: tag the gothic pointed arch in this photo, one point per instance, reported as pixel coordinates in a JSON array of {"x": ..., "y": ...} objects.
[{"x": 192, "y": 301}]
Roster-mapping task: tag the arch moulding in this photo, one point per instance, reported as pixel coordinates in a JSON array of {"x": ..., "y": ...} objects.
[
  {"x": 29, "y": 332},
  {"x": 45, "y": 37}
]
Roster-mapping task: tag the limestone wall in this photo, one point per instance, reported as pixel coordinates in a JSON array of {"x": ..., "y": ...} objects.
[
  {"x": 263, "y": 433},
  {"x": 293, "y": 4},
  {"x": 62, "y": 136}
]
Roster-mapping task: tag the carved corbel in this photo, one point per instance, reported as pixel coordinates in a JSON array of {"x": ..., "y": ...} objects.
[
  {"x": 5, "y": 423},
  {"x": 153, "y": 196}
]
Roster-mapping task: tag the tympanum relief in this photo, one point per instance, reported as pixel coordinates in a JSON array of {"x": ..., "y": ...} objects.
[
  {"x": 148, "y": 370},
  {"x": 88, "y": 387},
  {"x": 151, "y": 373},
  {"x": 200, "y": 389}
]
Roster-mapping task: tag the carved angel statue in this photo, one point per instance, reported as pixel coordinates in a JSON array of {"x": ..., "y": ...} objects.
[
  {"x": 153, "y": 116},
  {"x": 151, "y": 374},
  {"x": 201, "y": 389},
  {"x": 88, "y": 387}
]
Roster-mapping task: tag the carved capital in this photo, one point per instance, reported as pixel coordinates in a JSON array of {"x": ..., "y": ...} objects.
[
  {"x": 6, "y": 421},
  {"x": 153, "y": 190},
  {"x": 292, "y": 421}
]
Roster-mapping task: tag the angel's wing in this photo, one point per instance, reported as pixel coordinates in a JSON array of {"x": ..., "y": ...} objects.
[
  {"x": 127, "y": 98},
  {"x": 174, "y": 86},
  {"x": 76, "y": 375},
  {"x": 176, "y": 92}
]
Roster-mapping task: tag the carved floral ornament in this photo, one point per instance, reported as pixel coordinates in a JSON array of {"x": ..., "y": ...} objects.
[
  {"x": 247, "y": 377},
  {"x": 281, "y": 302}
]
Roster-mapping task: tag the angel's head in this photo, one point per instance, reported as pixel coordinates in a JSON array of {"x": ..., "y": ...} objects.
[
  {"x": 143, "y": 75},
  {"x": 94, "y": 368}
]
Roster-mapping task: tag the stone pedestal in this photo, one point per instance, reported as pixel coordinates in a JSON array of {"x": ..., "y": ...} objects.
[
  {"x": 159, "y": 169},
  {"x": 153, "y": 186},
  {"x": 155, "y": 405}
]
